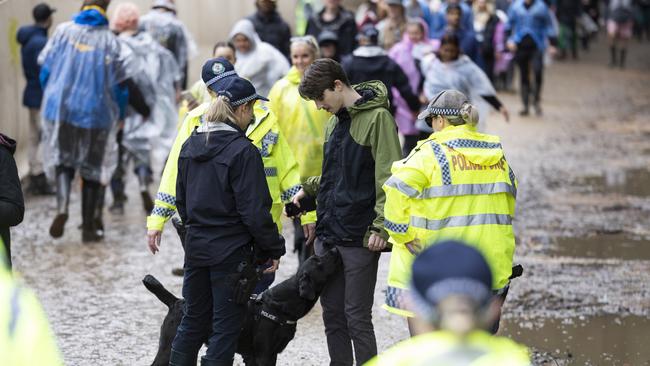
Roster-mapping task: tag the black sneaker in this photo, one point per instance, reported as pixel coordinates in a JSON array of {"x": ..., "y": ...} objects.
[{"x": 180, "y": 272}]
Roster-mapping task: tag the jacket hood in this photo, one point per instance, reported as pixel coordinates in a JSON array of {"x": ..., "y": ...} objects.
[
  {"x": 487, "y": 155},
  {"x": 26, "y": 33},
  {"x": 293, "y": 76},
  {"x": 369, "y": 51},
  {"x": 8, "y": 143},
  {"x": 245, "y": 27},
  {"x": 374, "y": 94},
  {"x": 202, "y": 146}
]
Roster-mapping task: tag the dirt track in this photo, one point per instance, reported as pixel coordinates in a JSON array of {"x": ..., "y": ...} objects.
[{"x": 583, "y": 229}]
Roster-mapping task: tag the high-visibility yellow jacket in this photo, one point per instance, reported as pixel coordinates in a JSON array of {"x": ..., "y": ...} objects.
[
  {"x": 301, "y": 122},
  {"x": 25, "y": 335},
  {"x": 455, "y": 185},
  {"x": 444, "y": 348},
  {"x": 280, "y": 166}
]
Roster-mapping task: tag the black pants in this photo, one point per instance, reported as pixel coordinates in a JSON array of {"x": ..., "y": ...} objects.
[
  {"x": 347, "y": 306},
  {"x": 530, "y": 59},
  {"x": 208, "y": 300}
]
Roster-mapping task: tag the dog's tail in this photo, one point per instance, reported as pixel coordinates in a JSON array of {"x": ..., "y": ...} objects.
[{"x": 153, "y": 285}]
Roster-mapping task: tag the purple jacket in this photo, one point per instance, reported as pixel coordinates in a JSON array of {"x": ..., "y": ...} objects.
[{"x": 405, "y": 53}]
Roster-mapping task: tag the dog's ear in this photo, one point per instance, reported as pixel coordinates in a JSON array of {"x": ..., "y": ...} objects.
[
  {"x": 153, "y": 285},
  {"x": 306, "y": 287}
]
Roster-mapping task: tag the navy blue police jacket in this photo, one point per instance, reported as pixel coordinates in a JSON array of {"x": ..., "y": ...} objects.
[{"x": 223, "y": 198}]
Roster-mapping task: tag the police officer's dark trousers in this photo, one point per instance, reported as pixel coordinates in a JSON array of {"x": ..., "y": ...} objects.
[{"x": 208, "y": 294}]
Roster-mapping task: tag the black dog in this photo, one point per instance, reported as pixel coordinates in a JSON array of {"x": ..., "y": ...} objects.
[{"x": 271, "y": 317}]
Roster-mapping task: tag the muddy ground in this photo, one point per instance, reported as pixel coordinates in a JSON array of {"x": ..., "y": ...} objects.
[{"x": 582, "y": 225}]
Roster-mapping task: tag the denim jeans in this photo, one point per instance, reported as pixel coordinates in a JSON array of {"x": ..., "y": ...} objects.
[{"x": 208, "y": 300}]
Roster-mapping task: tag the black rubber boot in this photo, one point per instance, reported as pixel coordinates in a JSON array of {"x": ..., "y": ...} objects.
[
  {"x": 144, "y": 179},
  {"x": 181, "y": 359},
  {"x": 98, "y": 218},
  {"x": 119, "y": 197},
  {"x": 63, "y": 182},
  {"x": 89, "y": 197}
]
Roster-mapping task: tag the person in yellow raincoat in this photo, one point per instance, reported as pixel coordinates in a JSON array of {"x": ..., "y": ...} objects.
[
  {"x": 25, "y": 335},
  {"x": 280, "y": 166},
  {"x": 450, "y": 294},
  {"x": 456, "y": 184},
  {"x": 304, "y": 126}
]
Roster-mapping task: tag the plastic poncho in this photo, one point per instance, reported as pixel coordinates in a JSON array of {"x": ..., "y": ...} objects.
[
  {"x": 170, "y": 33},
  {"x": 263, "y": 65},
  {"x": 81, "y": 68},
  {"x": 405, "y": 53},
  {"x": 156, "y": 75},
  {"x": 462, "y": 75},
  {"x": 302, "y": 123}
]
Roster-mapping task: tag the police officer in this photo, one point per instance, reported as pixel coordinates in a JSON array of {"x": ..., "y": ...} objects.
[
  {"x": 456, "y": 184},
  {"x": 224, "y": 202},
  {"x": 25, "y": 334},
  {"x": 280, "y": 166},
  {"x": 450, "y": 291}
]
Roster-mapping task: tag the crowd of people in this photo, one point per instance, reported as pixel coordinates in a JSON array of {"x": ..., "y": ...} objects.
[{"x": 376, "y": 116}]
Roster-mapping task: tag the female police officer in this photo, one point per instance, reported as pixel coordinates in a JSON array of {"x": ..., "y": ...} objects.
[
  {"x": 454, "y": 185},
  {"x": 224, "y": 201}
]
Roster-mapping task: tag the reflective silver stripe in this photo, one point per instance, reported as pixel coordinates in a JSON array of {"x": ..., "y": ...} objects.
[
  {"x": 468, "y": 189},
  {"x": 401, "y": 186},
  {"x": 15, "y": 311},
  {"x": 396, "y": 297},
  {"x": 271, "y": 172},
  {"x": 456, "y": 221}
]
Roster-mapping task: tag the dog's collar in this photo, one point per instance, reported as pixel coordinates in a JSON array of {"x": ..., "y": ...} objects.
[{"x": 275, "y": 318}]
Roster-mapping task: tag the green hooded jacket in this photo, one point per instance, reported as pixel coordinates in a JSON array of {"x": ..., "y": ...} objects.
[{"x": 360, "y": 146}]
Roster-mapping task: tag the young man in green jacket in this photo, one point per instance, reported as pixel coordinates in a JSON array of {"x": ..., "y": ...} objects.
[{"x": 361, "y": 143}]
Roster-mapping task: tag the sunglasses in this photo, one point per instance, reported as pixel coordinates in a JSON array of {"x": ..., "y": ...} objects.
[{"x": 429, "y": 119}]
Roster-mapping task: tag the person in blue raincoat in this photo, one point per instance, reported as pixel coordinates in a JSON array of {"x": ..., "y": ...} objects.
[{"x": 85, "y": 73}]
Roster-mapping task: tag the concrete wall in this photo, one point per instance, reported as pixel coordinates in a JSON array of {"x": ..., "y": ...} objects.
[{"x": 208, "y": 21}]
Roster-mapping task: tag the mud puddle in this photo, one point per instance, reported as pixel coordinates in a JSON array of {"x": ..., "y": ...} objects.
[
  {"x": 603, "y": 340},
  {"x": 632, "y": 182},
  {"x": 604, "y": 246}
]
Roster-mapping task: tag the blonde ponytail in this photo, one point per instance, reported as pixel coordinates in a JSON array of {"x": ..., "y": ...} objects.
[
  {"x": 219, "y": 110},
  {"x": 469, "y": 114}
]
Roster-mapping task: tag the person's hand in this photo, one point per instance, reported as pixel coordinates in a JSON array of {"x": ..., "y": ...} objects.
[
  {"x": 512, "y": 46},
  {"x": 376, "y": 243},
  {"x": 423, "y": 100},
  {"x": 552, "y": 51},
  {"x": 274, "y": 267},
  {"x": 504, "y": 113},
  {"x": 310, "y": 233},
  {"x": 296, "y": 201},
  {"x": 153, "y": 240},
  {"x": 414, "y": 247}
]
